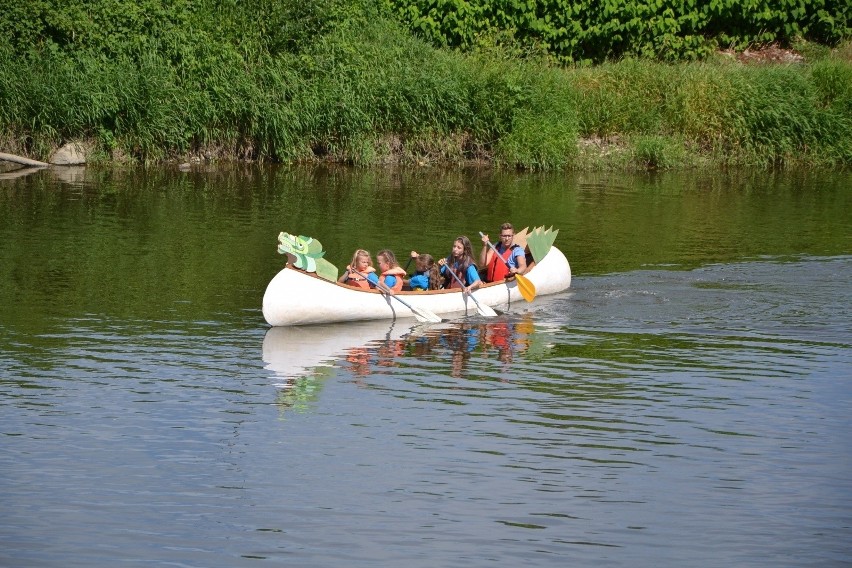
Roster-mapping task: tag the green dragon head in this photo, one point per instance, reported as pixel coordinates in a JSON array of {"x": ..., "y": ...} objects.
[{"x": 306, "y": 253}]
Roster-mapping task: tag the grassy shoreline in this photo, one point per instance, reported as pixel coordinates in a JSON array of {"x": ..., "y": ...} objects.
[{"x": 374, "y": 95}]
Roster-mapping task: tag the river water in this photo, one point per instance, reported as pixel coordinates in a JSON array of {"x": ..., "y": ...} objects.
[{"x": 686, "y": 402}]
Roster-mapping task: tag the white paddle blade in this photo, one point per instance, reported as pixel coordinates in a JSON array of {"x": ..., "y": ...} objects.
[
  {"x": 422, "y": 314},
  {"x": 425, "y": 315},
  {"x": 420, "y": 318},
  {"x": 485, "y": 310}
]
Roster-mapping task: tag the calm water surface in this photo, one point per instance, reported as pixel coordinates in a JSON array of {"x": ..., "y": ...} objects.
[{"x": 686, "y": 403}]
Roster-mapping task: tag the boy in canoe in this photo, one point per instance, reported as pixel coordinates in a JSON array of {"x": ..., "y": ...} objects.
[{"x": 510, "y": 259}]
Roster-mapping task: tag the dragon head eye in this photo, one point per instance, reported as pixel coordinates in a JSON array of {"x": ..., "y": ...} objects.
[{"x": 293, "y": 242}]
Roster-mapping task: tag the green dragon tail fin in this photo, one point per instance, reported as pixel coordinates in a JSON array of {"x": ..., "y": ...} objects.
[{"x": 540, "y": 240}]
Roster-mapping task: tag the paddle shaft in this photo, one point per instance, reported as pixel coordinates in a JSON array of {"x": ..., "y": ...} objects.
[
  {"x": 500, "y": 256},
  {"x": 472, "y": 297},
  {"x": 418, "y": 313},
  {"x": 383, "y": 287}
]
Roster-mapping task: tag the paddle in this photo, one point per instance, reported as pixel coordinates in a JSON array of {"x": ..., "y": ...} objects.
[
  {"x": 526, "y": 287},
  {"x": 483, "y": 311},
  {"x": 421, "y": 314}
]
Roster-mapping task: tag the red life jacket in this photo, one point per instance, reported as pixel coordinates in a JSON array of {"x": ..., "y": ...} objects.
[
  {"x": 453, "y": 282},
  {"x": 497, "y": 268},
  {"x": 395, "y": 271}
]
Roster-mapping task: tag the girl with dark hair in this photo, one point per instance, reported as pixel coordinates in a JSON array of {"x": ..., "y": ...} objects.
[{"x": 461, "y": 262}]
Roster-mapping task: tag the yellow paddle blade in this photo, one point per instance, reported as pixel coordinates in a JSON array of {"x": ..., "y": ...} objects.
[{"x": 526, "y": 287}]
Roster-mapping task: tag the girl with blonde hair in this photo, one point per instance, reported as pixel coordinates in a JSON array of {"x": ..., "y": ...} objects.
[{"x": 363, "y": 263}]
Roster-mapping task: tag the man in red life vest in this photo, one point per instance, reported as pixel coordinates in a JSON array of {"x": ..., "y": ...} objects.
[{"x": 511, "y": 260}]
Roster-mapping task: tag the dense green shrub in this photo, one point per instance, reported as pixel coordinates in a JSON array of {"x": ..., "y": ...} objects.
[{"x": 594, "y": 30}]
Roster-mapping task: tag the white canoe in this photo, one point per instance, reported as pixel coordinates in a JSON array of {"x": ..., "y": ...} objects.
[{"x": 296, "y": 297}]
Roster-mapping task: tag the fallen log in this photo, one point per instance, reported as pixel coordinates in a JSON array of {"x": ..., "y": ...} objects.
[{"x": 22, "y": 160}]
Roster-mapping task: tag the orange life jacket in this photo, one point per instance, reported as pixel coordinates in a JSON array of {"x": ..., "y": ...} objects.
[
  {"x": 359, "y": 281},
  {"x": 497, "y": 268},
  {"x": 395, "y": 271}
]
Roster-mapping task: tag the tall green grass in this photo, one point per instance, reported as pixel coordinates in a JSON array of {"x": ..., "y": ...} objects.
[{"x": 369, "y": 93}]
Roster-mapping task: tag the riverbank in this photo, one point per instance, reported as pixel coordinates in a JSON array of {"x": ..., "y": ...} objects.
[{"x": 375, "y": 95}]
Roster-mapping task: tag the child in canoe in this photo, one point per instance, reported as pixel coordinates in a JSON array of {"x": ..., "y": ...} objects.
[
  {"x": 363, "y": 263},
  {"x": 426, "y": 274},
  {"x": 461, "y": 262},
  {"x": 391, "y": 274}
]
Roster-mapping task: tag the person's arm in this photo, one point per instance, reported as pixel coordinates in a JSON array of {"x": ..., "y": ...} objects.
[
  {"x": 520, "y": 260},
  {"x": 344, "y": 276},
  {"x": 472, "y": 276},
  {"x": 483, "y": 255}
]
